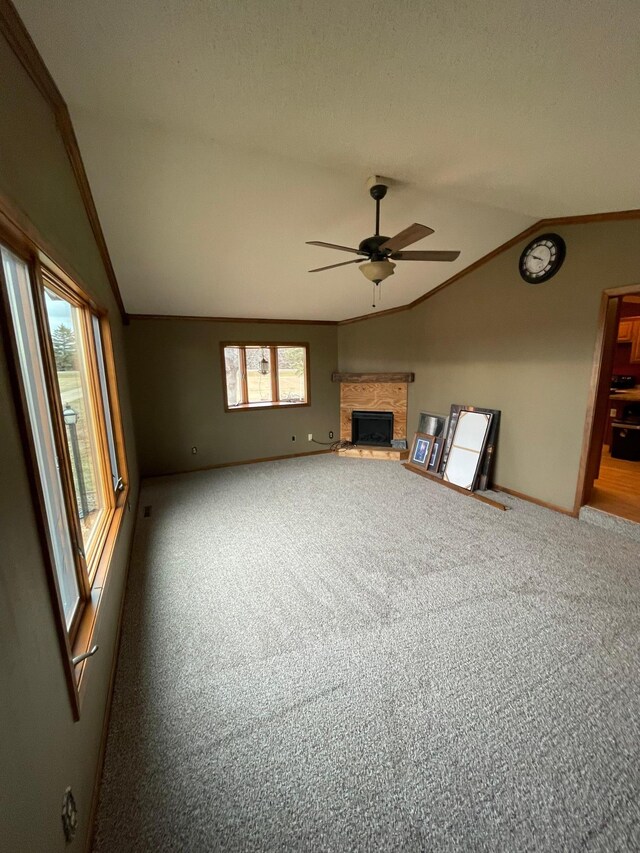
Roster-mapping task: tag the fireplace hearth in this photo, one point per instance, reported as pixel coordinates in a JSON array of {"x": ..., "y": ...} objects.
[{"x": 372, "y": 428}]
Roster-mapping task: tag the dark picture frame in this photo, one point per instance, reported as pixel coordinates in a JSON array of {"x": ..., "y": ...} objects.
[
  {"x": 436, "y": 455},
  {"x": 456, "y": 408},
  {"x": 437, "y": 426},
  {"x": 421, "y": 450}
]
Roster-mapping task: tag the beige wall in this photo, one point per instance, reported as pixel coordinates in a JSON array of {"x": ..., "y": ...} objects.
[
  {"x": 42, "y": 750},
  {"x": 491, "y": 340},
  {"x": 176, "y": 391}
]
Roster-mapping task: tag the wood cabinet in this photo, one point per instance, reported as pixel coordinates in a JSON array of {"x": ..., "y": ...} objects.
[
  {"x": 625, "y": 331},
  {"x": 635, "y": 344},
  {"x": 629, "y": 332}
]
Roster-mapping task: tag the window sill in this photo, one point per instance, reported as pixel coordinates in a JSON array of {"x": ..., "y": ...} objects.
[
  {"x": 248, "y": 407},
  {"x": 89, "y": 621}
]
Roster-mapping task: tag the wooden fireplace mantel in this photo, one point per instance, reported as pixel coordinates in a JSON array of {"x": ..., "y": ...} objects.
[{"x": 372, "y": 377}]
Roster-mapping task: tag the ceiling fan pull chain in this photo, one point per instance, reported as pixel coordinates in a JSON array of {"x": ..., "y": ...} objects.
[{"x": 373, "y": 305}]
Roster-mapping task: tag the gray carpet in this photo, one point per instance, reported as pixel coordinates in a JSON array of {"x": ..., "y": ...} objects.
[
  {"x": 335, "y": 654},
  {"x": 611, "y": 522}
]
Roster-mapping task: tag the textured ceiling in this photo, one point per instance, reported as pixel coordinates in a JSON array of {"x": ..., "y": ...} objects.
[{"x": 219, "y": 136}]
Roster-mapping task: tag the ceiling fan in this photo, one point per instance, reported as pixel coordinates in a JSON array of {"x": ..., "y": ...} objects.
[{"x": 380, "y": 251}]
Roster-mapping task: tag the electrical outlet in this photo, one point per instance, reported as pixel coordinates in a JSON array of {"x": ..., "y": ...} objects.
[
  {"x": 330, "y": 433},
  {"x": 194, "y": 450},
  {"x": 293, "y": 438},
  {"x": 310, "y": 438}
]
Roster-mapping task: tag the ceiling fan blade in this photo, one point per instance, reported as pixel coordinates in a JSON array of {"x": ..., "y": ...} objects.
[
  {"x": 334, "y": 246},
  {"x": 424, "y": 256},
  {"x": 344, "y": 264},
  {"x": 404, "y": 238}
]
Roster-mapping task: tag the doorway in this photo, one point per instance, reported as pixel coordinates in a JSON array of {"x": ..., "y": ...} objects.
[{"x": 610, "y": 474}]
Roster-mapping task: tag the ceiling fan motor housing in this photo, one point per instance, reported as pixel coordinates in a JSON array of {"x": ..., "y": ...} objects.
[{"x": 371, "y": 246}]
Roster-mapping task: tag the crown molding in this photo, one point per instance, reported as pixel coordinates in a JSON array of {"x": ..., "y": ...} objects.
[
  {"x": 233, "y": 319},
  {"x": 541, "y": 224},
  {"x": 19, "y": 40}
]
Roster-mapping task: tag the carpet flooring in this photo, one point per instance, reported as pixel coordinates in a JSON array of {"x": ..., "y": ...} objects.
[{"x": 334, "y": 654}]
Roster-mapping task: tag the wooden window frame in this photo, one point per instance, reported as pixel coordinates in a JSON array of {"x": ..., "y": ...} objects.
[
  {"x": 57, "y": 286},
  {"x": 93, "y": 575},
  {"x": 276, "y": 403}
]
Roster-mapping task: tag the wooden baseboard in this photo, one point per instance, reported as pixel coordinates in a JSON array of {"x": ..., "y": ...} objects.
[
  {"x": 234, "y": 464},
  {"x": 95, "y": 796},
  {"x": 545, "y": 504}
]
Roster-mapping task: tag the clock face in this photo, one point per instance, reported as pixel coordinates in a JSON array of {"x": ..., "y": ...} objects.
[{"x": 542, "y": 258}]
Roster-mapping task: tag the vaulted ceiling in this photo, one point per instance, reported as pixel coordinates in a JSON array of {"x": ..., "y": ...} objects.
[{"x": 218, "y": 137}]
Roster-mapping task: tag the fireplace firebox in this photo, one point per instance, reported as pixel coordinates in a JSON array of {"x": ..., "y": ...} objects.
[{"x": 372, "y": 428}]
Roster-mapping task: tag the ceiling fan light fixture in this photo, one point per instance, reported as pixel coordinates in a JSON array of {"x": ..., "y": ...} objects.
[{"x": 377, "y": 270}]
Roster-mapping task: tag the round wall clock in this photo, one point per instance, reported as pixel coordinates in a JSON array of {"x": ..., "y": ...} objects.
[{"x": 542, "y": 258}]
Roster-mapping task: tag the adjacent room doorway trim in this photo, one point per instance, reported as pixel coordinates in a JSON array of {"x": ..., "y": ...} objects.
[{"x": 596, "y": 419}]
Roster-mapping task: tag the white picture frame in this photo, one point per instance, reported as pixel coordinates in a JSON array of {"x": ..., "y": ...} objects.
[{"x": 467, "y": 447}]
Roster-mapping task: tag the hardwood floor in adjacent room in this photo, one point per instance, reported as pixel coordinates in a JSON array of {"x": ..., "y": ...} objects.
[{"x": 617, "y": 489}]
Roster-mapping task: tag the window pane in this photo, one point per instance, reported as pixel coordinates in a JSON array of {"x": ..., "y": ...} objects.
[
  {"x": 259, "y": 374},
  {"x": 23, "y": 315},
  {"x": 292, "y": 370},
  {"x": 71, "y": 359},
  {"x": 233, "y": 374},
  {"x": 102, "y": 374}
]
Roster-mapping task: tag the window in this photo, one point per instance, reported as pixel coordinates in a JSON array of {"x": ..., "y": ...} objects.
[
  {"x": 33, "y": 379},
  {"x": 263, "y": 376},
  {"x": 61, "y": 348}
]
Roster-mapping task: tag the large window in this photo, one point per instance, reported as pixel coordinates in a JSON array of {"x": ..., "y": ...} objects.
[
  {"x": 259, "y": 376},
  {"x": 61, "y": 347}
]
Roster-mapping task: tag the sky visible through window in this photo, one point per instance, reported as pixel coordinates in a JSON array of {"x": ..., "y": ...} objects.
[
  {"x": 58, "y": 311},
  {"x": 70, "y": 360}
]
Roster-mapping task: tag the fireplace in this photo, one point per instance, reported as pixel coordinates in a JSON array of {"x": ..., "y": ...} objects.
[{"x": 372, "y": 428}]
